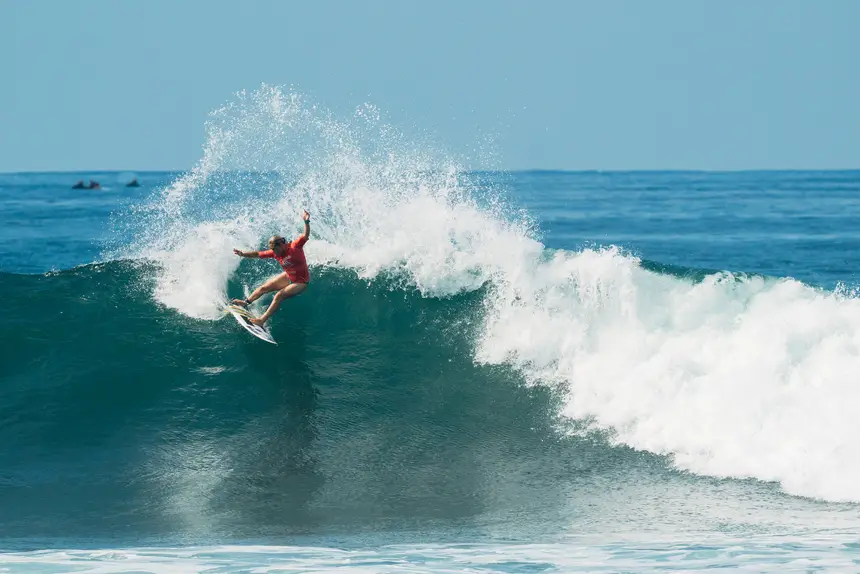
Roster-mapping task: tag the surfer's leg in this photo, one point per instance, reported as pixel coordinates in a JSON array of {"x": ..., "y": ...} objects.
[
  {"x": 290, "y": 290},
  {"x": 276, "y": 283}
]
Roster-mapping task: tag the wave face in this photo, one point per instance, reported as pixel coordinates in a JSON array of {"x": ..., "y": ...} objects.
[
  {"x": 444, "y": 365},
  {"x": 123, "y": 416}
]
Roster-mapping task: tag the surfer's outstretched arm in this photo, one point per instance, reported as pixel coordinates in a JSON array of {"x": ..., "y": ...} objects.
[{"x": 251, "y": 254}]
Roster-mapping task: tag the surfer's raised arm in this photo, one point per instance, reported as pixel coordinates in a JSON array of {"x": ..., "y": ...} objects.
[{"x": 307, "y": 218}]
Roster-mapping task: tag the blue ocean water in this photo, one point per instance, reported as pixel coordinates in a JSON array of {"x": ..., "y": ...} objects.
[{"x": 491, "y": 371}]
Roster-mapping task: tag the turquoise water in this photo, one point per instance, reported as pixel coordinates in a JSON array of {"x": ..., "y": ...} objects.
[{"x": 493, "y": 371}]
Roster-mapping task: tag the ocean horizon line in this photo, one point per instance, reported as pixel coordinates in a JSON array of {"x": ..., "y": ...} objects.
[{"x": 476, "y": 171}]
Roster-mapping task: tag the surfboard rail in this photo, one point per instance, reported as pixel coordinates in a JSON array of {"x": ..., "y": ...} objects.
[{"x": 242, "y": 315}]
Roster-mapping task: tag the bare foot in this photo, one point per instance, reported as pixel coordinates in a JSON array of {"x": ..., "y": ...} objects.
[
  {"x": 258, "y": 322},
  {"x": 240, "y": 302}
]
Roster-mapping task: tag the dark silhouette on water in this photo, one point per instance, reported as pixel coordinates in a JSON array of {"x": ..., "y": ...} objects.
[{"x": 91, "y": 185}]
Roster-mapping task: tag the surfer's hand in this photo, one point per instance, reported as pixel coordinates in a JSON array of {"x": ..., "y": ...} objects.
[
  {"x": 238, "y": 252},
  {"x": 306, "y": 216}
]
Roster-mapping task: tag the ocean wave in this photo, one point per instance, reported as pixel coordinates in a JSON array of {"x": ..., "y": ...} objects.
[{"x": 727, "y": 375}]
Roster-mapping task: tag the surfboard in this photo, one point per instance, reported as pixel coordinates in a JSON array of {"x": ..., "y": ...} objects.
[{"x": 242, "y": 315}]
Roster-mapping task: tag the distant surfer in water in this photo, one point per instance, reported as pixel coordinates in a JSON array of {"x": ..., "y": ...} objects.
[{"x": 292, "y": 281}]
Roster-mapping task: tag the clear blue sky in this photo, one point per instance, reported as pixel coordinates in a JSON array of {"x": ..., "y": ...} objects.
[{"x": 561, "y": 84}]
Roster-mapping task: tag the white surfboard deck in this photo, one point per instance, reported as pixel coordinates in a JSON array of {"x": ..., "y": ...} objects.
[{"x": 241, "y": 315}]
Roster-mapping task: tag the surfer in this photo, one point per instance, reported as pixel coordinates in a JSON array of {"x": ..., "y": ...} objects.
[{"x": 292, "y": 281}]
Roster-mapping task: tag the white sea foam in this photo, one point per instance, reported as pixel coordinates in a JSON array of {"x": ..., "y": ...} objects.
[
  {"x": 749, "y": 378},
  {"x": 761, "y": 554}
]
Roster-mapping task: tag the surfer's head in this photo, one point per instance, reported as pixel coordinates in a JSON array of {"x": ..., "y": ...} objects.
[{"x": 278, "y": 244}]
